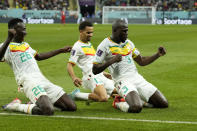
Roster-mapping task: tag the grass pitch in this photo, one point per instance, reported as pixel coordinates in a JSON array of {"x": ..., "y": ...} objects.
[{"x": 174, "y": 75}]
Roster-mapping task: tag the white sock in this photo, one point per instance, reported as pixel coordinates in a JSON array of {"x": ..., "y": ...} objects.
[
  {"x": 26, "y": 108},
  {"x": 82, "y": 96},
  {"x": 123, "y": 106}
]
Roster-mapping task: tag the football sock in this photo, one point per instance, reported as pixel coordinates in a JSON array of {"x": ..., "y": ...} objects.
[
  {"x": 26, "y": 108},
  {"x": 82, "y": 96},
  {"x": 123, "y": 106}
]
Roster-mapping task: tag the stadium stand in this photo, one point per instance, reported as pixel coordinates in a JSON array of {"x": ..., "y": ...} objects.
[
  {"x": 174, "y": 9},
  {"x": 35, "y": 4},
  {"x": 167, "y": 5}
]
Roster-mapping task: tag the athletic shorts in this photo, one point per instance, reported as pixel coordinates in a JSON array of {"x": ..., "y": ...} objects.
[
  {"x": 36, "y": 85},
  {"x": 91, "y": 81},
  {"x": 138, "y": 84}
]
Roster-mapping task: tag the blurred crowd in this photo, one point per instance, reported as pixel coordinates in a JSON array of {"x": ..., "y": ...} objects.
[
  {"x": 35, "y": 4},
  {"x": 167, "y": 5}
]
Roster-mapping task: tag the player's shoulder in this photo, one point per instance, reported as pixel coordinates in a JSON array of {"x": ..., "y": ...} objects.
[
  {"x": 107, "y": 39},
  {"x": 25, "y": 43},
  {"x": 130, "y": 42},
  {"x": 77, "y": 45},
  {"x": 105, "y": 42}
]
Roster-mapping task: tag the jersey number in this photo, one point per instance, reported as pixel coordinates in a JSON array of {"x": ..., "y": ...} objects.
[
  {"x": 25, "y": 56},
  {"x": 125, "y": 89},
  {"x": 36, "y": 90},
  {"x": 129, "y": 59}
]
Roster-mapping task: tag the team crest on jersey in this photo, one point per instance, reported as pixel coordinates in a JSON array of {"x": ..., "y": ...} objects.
[
  {"x": 18, "y": 47},
  {"x": 88, "y": 50},
  {"x": 123, "y": 50}
]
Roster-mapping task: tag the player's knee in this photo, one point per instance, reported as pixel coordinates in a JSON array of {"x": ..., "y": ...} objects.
[
  {"x": 70, "y": 106},
  {"x": 73, "y": 107},
  {"x": 164, "y": 104},
  {"x": 103, "y": 99},
  {"x": 47, "y": 110},
  {"x": 135, "y": 108}
]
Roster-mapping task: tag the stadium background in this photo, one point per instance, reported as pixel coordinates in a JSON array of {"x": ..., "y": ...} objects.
[
  {"x": 91, "y": 9},
  {"x": 174, "y": 74}
]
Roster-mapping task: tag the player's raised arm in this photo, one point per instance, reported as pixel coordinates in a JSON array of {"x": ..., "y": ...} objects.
[
  {"x": 11, "y": 33},
  {"x": 43, "y": 56},
  {"x": 145, "y": 60}
]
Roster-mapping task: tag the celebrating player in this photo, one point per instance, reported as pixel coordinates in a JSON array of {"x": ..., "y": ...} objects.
[
  {"x": 82, "y": 54},
  {"x": 117, "y": 52},
  {"x": 22, "y": 59}
]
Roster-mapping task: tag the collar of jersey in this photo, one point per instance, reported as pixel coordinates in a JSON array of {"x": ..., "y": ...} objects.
[
  {"x": 15, "y": 43},
  {"x": 84, "y": 42},
  {"x": 115, "y": 42}
]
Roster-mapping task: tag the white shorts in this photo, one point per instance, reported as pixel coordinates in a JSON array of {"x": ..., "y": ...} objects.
[
  {"x": 138, "y": 84},
  {"x": 36, "y": 85},
  {"x": 91, "y": 81}
]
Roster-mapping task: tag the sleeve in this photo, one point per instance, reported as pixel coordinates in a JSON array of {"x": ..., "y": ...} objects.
[
  {"x": 32, "y": 51},
  {"x": 135, "y": 51},
  {"x": 74, "y": 55},
  {"x": 100, "y": 53}
]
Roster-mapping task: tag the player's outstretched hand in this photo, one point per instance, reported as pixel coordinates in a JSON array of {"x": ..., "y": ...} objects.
[
  {"x": 66, "y": 49},
  {"x": 11, "y": 33},
  {"x": 161, "y": 51},
  {"x": 117, "y": 58},
  {"x": 77, "y": 82}
]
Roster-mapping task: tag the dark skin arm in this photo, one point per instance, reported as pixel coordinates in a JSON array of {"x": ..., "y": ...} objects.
[
  {"x": 77, "y": 81},
  {"x": 143, "y": 61},
  {"x": 43, "y": 56},
  {"x": 11, "y": 33},
  {"x": 98, "y": 68}
]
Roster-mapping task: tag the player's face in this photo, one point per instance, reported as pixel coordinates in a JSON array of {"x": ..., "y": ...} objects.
[
  {"x": 87, "y": 33},
  {"x": 20, "y": 30},
  {"x": 122, "y": 33}
]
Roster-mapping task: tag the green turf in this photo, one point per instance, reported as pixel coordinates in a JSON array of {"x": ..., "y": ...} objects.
[{"x": 174, "y": 74}]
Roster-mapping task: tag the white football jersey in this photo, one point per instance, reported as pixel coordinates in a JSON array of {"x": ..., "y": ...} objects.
[
  {"x": 20, "y": 56},
  {"x": 82, "y": 55},
  {"x": 108, "y": 49}
]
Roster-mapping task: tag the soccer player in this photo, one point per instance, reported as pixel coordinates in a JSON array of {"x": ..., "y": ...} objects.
[
  {"x": 119, "y": 53},
  {"x": 82, "y": 55},
  {"x": 22, "y": 59}
]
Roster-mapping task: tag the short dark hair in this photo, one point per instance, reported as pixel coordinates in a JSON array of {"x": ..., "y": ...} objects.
[
  {"x": 118, "y": 23},
  {"x": 83, "y": 25},
  {"x": 13, "y": 22}
]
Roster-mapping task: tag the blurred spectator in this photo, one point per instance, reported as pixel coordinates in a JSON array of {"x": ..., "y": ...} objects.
[
  {"x": 4, "y": 4},
  {"x": 36, "y": 4},
  {"x": 63, "y": 17},
  {"x": 166, "y": 5}
]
